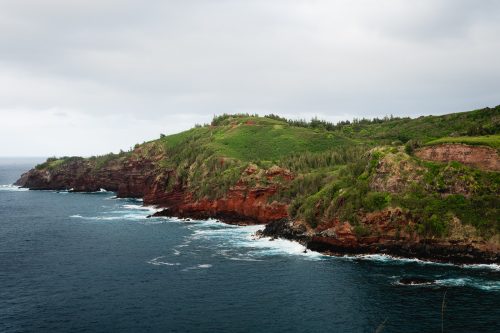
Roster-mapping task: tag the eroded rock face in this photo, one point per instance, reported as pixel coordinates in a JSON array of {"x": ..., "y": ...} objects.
[
  {"x": 240, "y": 205},
  {"x": 394, "y": 173},
  {"x": 128, "y": 179},
  {"x": 481, "y": 157},
  {"x": 142, "y": 178}
]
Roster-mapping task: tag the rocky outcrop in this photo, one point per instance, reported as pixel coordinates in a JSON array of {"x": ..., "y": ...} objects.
[
  {"x": 142, "y": 178},
  {"x": 481, "y": 157},
  {"x": 388, "y": 232},
  {"x": 395, "y": 172},
  {"x": 128, "y": 179}
]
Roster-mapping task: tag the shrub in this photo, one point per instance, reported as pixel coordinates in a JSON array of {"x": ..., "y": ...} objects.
[
  {"x": 376, "y": 201},
  {"x": 411, "y": 145}
]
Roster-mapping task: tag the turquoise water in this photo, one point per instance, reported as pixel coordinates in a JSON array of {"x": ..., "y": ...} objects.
[{"x": 92, "y": 263}]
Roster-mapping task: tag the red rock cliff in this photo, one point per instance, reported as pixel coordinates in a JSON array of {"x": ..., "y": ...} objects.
[{"x": 143, "y": 178}]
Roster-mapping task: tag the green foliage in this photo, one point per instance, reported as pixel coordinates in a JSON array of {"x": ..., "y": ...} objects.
[
  {"x": 104, "y": 160},
  {"x": 54, "y": 162},
  {"x": 428, "y": 128},
  {"x": 411, "y": 145},
  {"x": 332, "y": 165},
  {"x": 376, "y": 201},
  {"x": 487, "y": 140},
  {"x": 340, "y": 194},
  {"x": 330, "y": 159}
]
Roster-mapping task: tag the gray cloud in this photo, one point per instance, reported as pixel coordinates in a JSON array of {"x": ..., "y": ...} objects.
[{"x": 124, "y": 71}]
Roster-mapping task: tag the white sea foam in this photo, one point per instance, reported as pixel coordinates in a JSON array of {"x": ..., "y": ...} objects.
[
  {"x": 384, "y": 258},
  {"x": 470, "y": 282},
  {"x": 152, "y": 222},
  {"x": 110, "y": 218},
  {"x": 12, "y": 188},
  {"x": 454, "y": 282},
  {"x": 158, "y": 262},
  {"x": 239, "y": 243},
  {"x": 130, "y": 211},
  {"x": 151, "y": 209},
  {"x": 199, "y": 266},
  {"x": 243, "y": 237},
  {"x": 494, "y": 267},
  {"x": 119, "y": 198},
  {"x": 243, "y": 259}
]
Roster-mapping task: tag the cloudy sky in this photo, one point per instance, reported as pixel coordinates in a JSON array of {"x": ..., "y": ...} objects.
[{"x": 85, "y": 77}]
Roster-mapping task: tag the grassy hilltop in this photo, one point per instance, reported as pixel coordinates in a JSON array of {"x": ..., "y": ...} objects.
[{"x": 340, "y": 171}]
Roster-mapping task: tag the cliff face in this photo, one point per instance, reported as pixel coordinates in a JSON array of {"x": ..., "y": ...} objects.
[
  {"x": 143, "y": 178},
  {"x": 241, "y": 205},
  {"x": 481, "y": 157},
  {"x": 129, "y": 179}
]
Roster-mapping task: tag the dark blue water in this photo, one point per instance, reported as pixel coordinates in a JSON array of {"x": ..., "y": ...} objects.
[{"x": 92, "y": 263}]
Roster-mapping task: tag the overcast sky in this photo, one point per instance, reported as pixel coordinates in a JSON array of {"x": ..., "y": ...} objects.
[{"x": 85, "y": 77}]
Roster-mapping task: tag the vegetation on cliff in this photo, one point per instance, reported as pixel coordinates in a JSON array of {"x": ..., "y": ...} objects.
[{"x": 326, "y": 172}]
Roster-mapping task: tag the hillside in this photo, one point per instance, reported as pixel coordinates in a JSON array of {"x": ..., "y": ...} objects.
[{"x": 363, "y": 186}]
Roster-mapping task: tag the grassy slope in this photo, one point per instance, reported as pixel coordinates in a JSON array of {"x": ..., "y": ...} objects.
[
  {"x": 250, "y": 138},
  {"x": 271, "y": 143},
  {"x": 258, "y": 139}
]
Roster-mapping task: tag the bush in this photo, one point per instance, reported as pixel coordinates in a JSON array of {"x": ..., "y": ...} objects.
[
  {"x": 411, "y": 145},
  {"x": 376, "y": 201}
]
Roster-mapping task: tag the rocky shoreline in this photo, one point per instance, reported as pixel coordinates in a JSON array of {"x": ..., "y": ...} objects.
[{"x": 425, "y": 249}]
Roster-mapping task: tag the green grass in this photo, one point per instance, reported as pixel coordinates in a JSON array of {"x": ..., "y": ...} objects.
[
  {"x": 255, "y": 139},
  {"x": 486, "y": 140},
  {"x": 272, "y": 142}
]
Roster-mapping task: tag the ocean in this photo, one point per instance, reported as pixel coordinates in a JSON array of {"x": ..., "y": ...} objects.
[{"x": 89, "y": 262}]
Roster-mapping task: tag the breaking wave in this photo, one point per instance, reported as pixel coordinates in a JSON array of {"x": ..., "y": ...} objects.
[
  {"x": 130, "y": 211},
  {"x": 240, "y": 243},
  {"x": 391, "y": 260},
  {"x": 454, "y": 282},
  {"x": 12, "y": 188}
]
